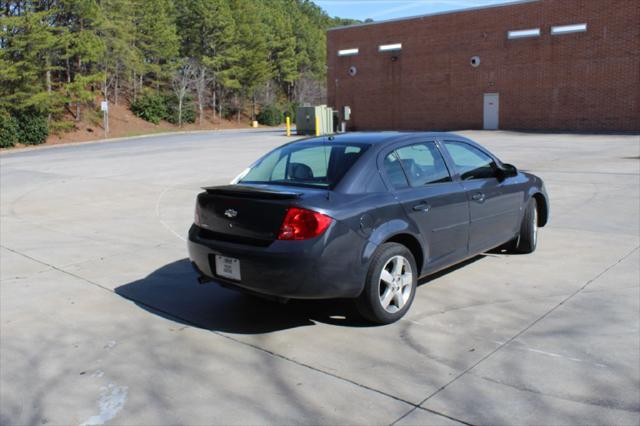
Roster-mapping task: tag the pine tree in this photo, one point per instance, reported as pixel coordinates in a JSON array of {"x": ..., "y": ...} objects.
[
  {"x": 83, "y": 47},
  {"x": 253, "y": 60},
  {"x": 157, "y": 41},
  {"x": 282, "y": 44},
  {"x": 116, "y": 29},
  {"x": 28, "y": 42},
  {"x": 208, "y": 33}
]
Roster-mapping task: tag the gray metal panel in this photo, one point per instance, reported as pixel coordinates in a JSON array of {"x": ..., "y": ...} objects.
[{"x": 306, "y": 120}]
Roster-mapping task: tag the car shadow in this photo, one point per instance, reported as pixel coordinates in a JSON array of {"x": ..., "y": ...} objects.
[
  {"x": 432, "y": 277},
  {"x": 173, "y": 292}
]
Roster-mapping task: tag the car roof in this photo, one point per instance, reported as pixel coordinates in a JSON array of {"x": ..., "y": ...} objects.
[{"x": 381, "y": 137}]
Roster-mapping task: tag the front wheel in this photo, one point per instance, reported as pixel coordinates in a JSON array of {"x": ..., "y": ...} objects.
[
  {"x": 390, "y": 286},
  {"x": 528, "y": 239}
]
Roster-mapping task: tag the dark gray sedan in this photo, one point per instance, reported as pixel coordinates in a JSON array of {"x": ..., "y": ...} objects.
[{"x": 363, "y": 216}]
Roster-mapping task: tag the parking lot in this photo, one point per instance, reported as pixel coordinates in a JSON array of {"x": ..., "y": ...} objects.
[{"x": 102, "y": 320}]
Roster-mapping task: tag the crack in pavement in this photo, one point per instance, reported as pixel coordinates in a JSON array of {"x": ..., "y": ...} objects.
[
  {"x": 521, "y": 332},
  {"x": 256, "y": 347}
]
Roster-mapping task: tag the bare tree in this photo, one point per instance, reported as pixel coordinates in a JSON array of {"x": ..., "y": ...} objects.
[
  {"x": 200, "y": 83},
  {"x": 309, "y": 90},
  {"x": 181, "y": 81}
]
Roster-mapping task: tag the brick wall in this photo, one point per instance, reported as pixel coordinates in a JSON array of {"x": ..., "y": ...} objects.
[{"x": 587, "y": 81}]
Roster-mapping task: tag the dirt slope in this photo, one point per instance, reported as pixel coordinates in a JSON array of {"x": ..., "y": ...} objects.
[{"x": 123, "y": 123}]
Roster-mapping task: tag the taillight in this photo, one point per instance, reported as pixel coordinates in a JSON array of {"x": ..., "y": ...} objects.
[
  {"x": 196, "y": 215},
  {"x": 302, "y": 224}
]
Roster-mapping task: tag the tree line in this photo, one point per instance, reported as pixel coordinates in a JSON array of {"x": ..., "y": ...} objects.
[{"x": 181, "y": 59}]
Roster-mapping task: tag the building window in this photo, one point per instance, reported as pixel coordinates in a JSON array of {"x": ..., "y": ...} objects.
[
  {"x": 533, "y": 32},
  {"x": 390, "y": 47},
  {"x": 568, "y": 29},
  {"x": 348, "y": 52}
]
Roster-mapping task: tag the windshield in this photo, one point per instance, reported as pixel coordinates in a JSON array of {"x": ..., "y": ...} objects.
[{"x": 305, "y": 164}]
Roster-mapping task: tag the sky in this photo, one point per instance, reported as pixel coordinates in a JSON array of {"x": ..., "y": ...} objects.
[{"x": 380, "y": 10}]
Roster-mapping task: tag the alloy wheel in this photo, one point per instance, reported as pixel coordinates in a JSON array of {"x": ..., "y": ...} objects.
[{"x": 395, "y": 284}]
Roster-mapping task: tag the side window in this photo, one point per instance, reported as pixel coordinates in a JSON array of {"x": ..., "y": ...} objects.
[
  {"x": 423, "y": 164},
  {"x": 394, "y": 171},
  {"x": 278, "y": 172},
  {"x": 470, "y": 162}
]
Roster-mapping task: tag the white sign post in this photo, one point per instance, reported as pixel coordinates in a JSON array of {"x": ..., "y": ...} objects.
[{"x": 104, "y": 106}]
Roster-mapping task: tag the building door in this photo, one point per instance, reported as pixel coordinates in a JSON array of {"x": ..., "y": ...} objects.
[{"x": 491, "y": 111}]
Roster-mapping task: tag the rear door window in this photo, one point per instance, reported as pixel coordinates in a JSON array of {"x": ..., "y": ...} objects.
[{"x": 394, "y": 171}]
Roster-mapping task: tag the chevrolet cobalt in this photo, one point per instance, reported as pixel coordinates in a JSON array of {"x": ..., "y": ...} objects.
[{"x": 363, "y": 216}]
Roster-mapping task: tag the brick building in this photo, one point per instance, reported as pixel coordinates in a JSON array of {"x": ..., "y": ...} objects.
[{"x": 537, "y": 64}]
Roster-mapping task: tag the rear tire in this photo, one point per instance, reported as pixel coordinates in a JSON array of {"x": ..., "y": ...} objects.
[
  {"x": 390, "y": 286},
  {"x": 528, "y": 239}
]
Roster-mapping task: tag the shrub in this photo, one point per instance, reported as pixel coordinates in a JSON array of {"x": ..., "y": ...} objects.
[
  {"x": 33, "y": 128},
  {"x": 230, "y": 112},
  {"x": 270, "y": 116},
  {"x": 188, "y": 109},
  {"x": 151, "y": 107},
  {"x": 8, "y": 130},
  {"x": 60, "y": 126}
]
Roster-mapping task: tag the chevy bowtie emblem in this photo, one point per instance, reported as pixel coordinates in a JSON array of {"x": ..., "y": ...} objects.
[{"x": 231, "y": 213}]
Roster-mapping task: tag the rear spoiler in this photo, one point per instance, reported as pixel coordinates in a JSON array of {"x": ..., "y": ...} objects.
[{"x": 244, "y": 191}]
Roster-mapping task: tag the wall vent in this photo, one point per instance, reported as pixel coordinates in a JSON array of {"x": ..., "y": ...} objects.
[
  {"x": 390, "y": 47},
  {"x": 533, "y": 32},
  {"x": 348, "y": 52},
  {"x": 568, "y": 29}
]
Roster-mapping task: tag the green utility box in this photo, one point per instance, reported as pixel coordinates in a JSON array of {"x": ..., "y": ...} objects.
[{"x": 306, "y": 120}]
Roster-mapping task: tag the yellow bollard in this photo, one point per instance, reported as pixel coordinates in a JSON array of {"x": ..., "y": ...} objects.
[
  {"x": 317, "y": 126},
  {"x": 288, "y": 126}
]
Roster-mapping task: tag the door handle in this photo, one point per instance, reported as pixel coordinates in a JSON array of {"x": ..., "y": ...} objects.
[
  {"x": 422, "y": 207},
  {"x": 478, "y": 196}
]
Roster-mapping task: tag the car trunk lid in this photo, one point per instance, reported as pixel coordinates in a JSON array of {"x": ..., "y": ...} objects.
[{"x": 245, "y": 214}]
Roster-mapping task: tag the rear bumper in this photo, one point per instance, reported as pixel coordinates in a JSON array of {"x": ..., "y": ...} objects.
[{"x": 330, "y": 266}]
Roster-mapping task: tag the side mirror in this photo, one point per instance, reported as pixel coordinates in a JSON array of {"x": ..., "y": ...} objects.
[{"x": 509, "y": 170}]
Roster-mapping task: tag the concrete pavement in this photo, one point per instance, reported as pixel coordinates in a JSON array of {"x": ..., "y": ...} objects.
[{"x": 102, "y": 321}]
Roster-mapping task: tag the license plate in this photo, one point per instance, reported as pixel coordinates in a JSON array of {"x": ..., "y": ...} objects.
[{"x": 228, "y": 267}]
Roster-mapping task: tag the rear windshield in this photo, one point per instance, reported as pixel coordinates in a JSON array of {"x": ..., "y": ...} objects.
[{"x": 305, "y": 164}]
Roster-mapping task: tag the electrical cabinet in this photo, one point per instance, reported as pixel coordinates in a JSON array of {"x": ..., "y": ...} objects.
[{"x": 306, "y": 120}]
